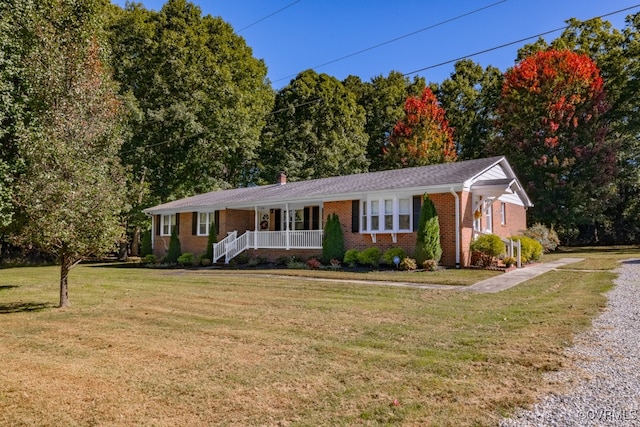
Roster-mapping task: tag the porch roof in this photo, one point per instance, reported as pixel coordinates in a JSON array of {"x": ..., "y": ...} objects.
[{"x": 437, "y": 178}]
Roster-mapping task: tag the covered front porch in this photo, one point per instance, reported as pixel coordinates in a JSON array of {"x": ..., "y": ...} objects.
[{"x": 285, "y": 226}]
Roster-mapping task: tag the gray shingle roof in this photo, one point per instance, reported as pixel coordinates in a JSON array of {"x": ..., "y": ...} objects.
[{"x": 398, "y": 179}]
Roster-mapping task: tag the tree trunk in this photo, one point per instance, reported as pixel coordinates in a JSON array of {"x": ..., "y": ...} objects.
[
  {"x": 135, "y": 243},
  {"x": 66, "y": 262}
]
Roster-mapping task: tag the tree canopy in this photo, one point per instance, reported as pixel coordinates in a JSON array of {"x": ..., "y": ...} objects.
[
  {"x": 553, "y": 132},
  {"x": 316, "y": 130},
  {"x": 422, "y": 137}
]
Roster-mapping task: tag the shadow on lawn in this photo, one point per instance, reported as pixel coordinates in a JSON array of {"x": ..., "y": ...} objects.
[{"x": 21, "y": 307}]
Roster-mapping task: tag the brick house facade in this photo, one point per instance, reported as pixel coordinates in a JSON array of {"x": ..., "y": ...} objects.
[{"x": 375, "y": 209}]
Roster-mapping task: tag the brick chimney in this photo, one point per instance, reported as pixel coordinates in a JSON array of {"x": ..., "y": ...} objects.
[{"x": 281, "y": 179}]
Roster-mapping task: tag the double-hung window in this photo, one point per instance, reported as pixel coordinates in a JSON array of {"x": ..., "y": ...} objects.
[
  {"x": 386, "y": 214},
  {"x": 204, "y": 223},
  {"x": 167, "y": 222}
]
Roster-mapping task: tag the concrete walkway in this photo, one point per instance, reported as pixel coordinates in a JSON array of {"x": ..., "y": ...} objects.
[
  {"x": 492, "y": 285},
  {"x": 517, "y": 276},
  {"x": 488, "y": 286}
]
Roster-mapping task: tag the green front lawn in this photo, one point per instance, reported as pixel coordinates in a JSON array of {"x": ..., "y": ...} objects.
[{"x": 169, "y": 347}]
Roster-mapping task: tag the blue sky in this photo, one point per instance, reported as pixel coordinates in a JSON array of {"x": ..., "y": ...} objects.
[{"x": 309, "y": 33}]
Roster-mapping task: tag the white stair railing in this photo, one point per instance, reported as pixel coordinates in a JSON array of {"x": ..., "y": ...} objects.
[
  {"x": 237, "y": 246},
  {"x": 220, "y": 248}
]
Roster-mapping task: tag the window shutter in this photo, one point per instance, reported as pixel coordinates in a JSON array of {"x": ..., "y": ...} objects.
[
  {"x": 355, "y": 216},
  {"x": 278, "y": 219},
  {"x": 194, "y": 223},
  {"x": 157, "y": 218},
  {"x": 177, "y": 223},
  {"x": 417, "y": 206},
  {"x": 216, "y": 220},
  {"x": 305, "y": 219},
  {"x": 315, "y": 218}
]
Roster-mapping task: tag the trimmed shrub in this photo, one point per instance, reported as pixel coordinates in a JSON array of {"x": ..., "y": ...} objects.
[
  {"x": 430, "y": 265},
  {"x": 351, "y": 257},
  {"x": 145, "y": 245},
  {"x": 205, "y": 262},
  {"x": 489, "y": 246},
  {"x": 175, "y": 249},
  {"x": 333, "y": 241},
  {"x": 548, "y": 238},
  {"x": 149, "y": 259},
  {"x": 369, "y": 256},
  {"x": 509, "y": 261},
  {"x": 408, "y": 264},
  {"x": 211, "y": 240},
  {"x": 531, "y": 248},
  {"x": 295, "y": 264},
  {"x": 390, "y": 254},
  {"x": 185, "y": 259},
  {"x": 428, "y": 240},
  {"x": 313, "y": 264}
]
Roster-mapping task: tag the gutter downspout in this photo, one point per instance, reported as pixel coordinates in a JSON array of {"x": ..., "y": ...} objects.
[{"x": 457, "y": 207}]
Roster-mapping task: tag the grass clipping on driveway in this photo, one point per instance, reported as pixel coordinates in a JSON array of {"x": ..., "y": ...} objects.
[{"x": 150, "y": 347}]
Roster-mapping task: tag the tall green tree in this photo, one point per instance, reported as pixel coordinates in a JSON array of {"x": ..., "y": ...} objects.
[
  {"x": 69, "y": 195},
  {"x": 470, "y": 97},
  {"x": 14, "y": 116},
  {"x": 383, "y": 100},
  {"x": 316, "y": 130},
  {"x": 422, "y": 137},
  {"x": 554, "y": 134},
  {"x": 617, "y": 54}
]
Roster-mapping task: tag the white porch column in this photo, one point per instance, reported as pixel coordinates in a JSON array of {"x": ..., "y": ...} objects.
[
  {"x": 286, "y": 216},
  {"x": 255, "y": 228}
]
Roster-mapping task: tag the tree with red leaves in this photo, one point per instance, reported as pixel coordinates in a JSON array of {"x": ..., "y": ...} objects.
[
  {"x": 551, "y": 128},
  {"x": 423, "y": 137}
]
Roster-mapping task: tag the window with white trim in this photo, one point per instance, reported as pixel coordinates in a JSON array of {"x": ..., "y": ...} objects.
[
  {"x": 503, "y": 213},
  {"x": 204, "y": 223},
  {"x": 390, "y": 215},
  {"x": 488, "y": 216},
  {"x": 296, "y": 220},
  {"x": 167, "y": 222}
]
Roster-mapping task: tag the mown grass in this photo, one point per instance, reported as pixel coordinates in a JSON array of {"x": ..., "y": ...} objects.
[
  {"x": 154, "y": 347},
  {"x": 451, "y": 277}
]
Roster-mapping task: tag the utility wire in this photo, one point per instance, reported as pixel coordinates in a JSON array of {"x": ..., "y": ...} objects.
[
  {"x": 515, "y": 42},
  {"x": 268, "y": 16},
  {"x": 399, "y": 38}
]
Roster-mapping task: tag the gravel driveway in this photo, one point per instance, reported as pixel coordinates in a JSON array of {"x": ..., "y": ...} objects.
[{"x": 603, "y": 388}]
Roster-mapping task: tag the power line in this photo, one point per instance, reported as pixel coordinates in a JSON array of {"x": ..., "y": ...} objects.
[
  {"x": 268, "y": 16},
  {"x": 399, "y": 38},
  {"x": 515, "y": 42}
]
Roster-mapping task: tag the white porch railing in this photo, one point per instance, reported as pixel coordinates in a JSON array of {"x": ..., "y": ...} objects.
[
  {"x": 297, "y": 239},
  {"x": 220, "y": 248},
  {"x": 292, "y": 239}
]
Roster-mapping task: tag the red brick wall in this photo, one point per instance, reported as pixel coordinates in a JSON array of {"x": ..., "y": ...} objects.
[
  {"x": 445, "y": 207},
  {"x": 516, "y": 220}
]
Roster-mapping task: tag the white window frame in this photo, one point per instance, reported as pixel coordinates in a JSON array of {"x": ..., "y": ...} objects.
[
  {"x": 296, "y": 218},
  {"x": 503, "y": 213},
  {"x": 207, "y": 223},
  {"x": 368, "y": 219},
  {"x": 169, "y": 225},
  {"x": 488, "y": 216}
]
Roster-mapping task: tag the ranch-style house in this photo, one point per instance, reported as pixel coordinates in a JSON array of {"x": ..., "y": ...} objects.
[{"x": 375, "y": 209}]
